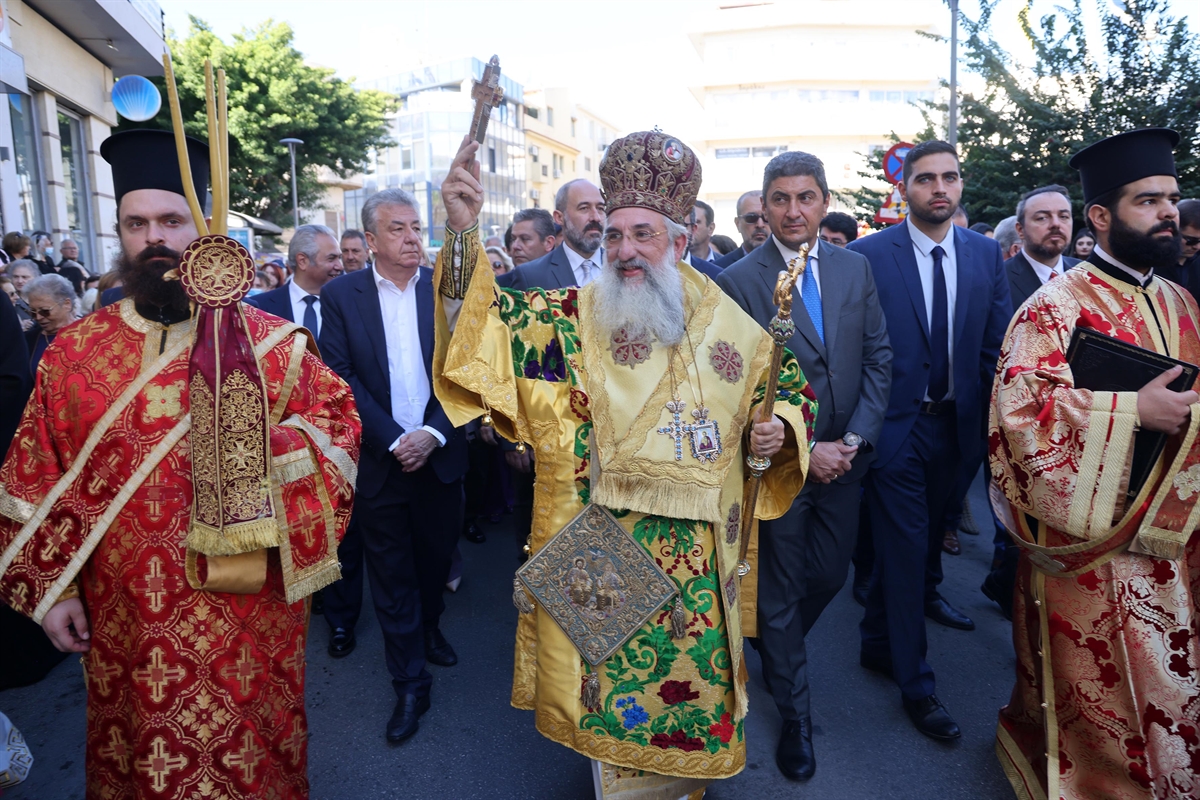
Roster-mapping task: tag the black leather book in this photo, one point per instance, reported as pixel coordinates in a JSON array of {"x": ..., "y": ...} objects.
[{"x": 1104, "y": 364}]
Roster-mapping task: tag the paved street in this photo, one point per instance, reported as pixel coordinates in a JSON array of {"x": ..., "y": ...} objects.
[{"x": 472, "y": 744}]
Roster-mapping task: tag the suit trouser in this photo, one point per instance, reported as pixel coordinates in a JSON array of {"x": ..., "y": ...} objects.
[
  {"x": 907, "y": 498},
  {"x": 864, "y": 554},
  {"x": 343, "y": 599},
  {"x": 803, "y": 559},
  {"x": 410, "y": 529}
]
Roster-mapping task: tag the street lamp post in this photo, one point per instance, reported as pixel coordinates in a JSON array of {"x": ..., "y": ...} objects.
[
  {"x": 952, "y": 133},
  {"x": 291, "y": 144}
]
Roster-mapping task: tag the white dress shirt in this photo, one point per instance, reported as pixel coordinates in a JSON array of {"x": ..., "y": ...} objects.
[
  {"x": 297, "y": 295},
  {"x": 923, "y": 250},
  {"x": 1043, "y": 272},
  {"x": 814, "y": 264},
  {"x": 1135, "y": 277},
  {"x": 576, "y": 262},
  {"x": 407, "y": 377}
]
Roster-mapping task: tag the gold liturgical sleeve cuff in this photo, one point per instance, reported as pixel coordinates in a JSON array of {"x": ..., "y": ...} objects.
[
  {"x": 244, "y": 573},
  {"x": 789, "y": 467}
]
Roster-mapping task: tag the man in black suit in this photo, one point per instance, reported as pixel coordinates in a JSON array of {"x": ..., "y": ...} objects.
[
  {"x": 842, "y": 345},
  {"x": 751, "y": 223},
  {"x": 701, "y": 224},
  {"x": 1044, "y": 224},
  {"x": 378, "y": 335},
  {"x": 533, "y": 235},
  {"x": 576, "y": 261}
]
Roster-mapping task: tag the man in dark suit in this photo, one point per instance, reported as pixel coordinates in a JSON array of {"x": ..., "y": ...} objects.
[
  {"x": 702, "y": 222},
  {"x": 841, "y": 342},
  {"x": 1044, "y": 224},
  {"x": 576, "y": 261},
  {"x": 751, "y": 223},
  {"x": 533, "y": 235},
  {"x": 944, "y": 293},
  {"x": 378, "y": 335}
]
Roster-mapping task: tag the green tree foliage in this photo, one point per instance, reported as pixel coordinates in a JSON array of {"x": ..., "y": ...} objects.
[
  {"x": 273, "y": 95},
  {"x": 1020, "y": 130}
]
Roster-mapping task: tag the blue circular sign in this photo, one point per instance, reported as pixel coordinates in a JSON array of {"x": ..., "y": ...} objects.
[{"x": 136, "y": 98}]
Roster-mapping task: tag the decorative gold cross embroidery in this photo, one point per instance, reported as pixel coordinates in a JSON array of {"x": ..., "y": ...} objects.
[
  {"x": 245, "y": 670},
  {"x": 247, "y": 758},
  {"x": 117, "y": 749},
  {"x": 1187, "y": 483},
  {"x": 56, "y": 540},
  {"x": 153, "y": 584},
  {"x": 294, "y": 740},
  {"x": 102, "y": 674},
  {"x": 160, "y": 764},
  {"x": 158, "y": 674},
  {"x": 105, "y": 471}
]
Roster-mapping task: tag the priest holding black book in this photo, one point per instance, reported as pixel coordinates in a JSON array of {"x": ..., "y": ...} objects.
[{"x": 1105, "y": 608}]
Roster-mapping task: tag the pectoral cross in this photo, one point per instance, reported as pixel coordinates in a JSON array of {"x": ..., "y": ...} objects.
[
  {"x": 677, "y": 428},
  {"x": 487, "y": 94}
]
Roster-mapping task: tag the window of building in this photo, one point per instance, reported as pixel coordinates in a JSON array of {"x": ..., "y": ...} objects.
[
  {"x": 572, "y": 127},
  {"x": 406, "y": 159},
  {"x": 768, "y": 152},
  {"x": 70, "y": 132},
  {"x": 587, "y": 164},
  {"x": 732, "y": 152},
  {"x": 545, "y": 171},
  {"x": 591, "y": 129},
  {"x": 532, "y": 112},
  {"x": 29, "y": 173},
  {"x": 550, "y": 116},
  {"x": 491, "y": 159}
]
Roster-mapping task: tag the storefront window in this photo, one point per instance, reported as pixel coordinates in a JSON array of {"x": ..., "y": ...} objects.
[
  {"x": 70, "y": 131},
  {"x": 29, "y": 175}
]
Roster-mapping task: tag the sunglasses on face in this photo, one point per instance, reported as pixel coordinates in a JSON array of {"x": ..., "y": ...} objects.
[
  {"x": 42, "y": 313},
  {"x": 752, "y": 219},
  {"x": 1192, "y": 241}
]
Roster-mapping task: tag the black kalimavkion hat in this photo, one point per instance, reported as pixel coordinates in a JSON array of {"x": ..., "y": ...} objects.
[
  {"x": 1127, "y": 157},
  {"x": 147, "y": 159}
]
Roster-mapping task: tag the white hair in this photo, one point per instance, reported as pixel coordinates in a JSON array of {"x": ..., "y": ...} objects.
[{"x": 653, "y": 307}]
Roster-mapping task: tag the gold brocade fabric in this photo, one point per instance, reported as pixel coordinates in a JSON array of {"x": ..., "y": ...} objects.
[
  {"x": 1107, "y": 690},
  {"x": 668, "y": 706}
]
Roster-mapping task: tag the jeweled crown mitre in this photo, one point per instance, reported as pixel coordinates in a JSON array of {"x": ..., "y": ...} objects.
[{"x": 651, "y": 169}]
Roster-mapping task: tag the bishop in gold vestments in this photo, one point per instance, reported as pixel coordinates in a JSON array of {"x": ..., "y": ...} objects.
[{"x": 591, "y": 401}]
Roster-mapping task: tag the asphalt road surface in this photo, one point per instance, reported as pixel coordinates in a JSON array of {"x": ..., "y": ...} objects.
[{"x": 473, "y": 744}]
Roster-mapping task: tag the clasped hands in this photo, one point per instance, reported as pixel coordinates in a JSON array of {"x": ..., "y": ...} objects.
[{"x": 414, "y": 448}]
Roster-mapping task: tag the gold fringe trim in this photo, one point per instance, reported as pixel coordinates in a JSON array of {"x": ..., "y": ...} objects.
[
  {"x": 324, "y": 443},
  {"x": 741, "y": 692},
  {"x": 1162, "y": 543},
  {"x": 15, "y": 508},
  {"x": 315, "y": 578},
  {"x": 231, "y": 540},
  {"x": 664, "y": 498},
  {"x": 293, "y": 466}
]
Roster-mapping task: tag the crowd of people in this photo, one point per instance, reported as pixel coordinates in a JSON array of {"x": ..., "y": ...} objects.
[{"x": 524, "y": 373}]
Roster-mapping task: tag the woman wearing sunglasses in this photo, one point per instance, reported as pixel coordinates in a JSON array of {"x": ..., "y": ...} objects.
[{"x": 51, "y": 301}]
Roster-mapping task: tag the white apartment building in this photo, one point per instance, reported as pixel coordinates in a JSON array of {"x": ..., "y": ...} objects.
[{"x": 565, "y": 141}]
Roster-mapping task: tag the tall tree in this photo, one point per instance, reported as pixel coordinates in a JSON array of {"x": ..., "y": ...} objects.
[
  {"x": 273, "y": 95},
  {"x": 1020, "y": 130}
]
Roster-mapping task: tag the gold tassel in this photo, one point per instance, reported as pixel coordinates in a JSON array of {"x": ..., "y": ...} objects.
[
  {"x": 590, "y": 696},
  {"x": 520, "y": 599},
  {"x": 741, "y": 694},
  {"x": 658, "y": 497},
  {"x": 678, "y": 621}
]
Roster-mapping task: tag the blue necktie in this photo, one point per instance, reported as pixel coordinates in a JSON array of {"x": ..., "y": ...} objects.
[
  {"x": 812, "y": 300},
  {"x": 310, "y": 315},
  {"x": 939, "y": 332}
]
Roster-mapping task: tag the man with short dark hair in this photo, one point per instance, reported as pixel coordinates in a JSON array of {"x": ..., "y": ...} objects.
[
  {"x": 751, "y": 223},
  {"x": 355, "y": 253},
  {"x": 1044, "y": 225},
  {"x": 533, "y": 235},
  {"x": 315, "y": 259},
  {"x": 841, "y": 344},
  {"x": 838, "y": 228},
  {"x": 945, "y": 296},
  {"x": 702, "y": 222},
  {"x": 1104, "y": 615}
]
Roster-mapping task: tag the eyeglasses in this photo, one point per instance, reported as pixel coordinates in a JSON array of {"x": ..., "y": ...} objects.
[
  {"x": 497, "y": 264},
  {"x": 613, "y": 239},
  {"x": 1191, "y": 241},
  {"x": 41, "y": 313},
  {"x": 752, "y": 219}
]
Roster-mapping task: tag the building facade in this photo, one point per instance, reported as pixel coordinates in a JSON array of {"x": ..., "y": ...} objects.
[
  {"x": 435, "y": 112},
  {"x": 565, "y": 141},
  {"x": 829, "y": 78},
  {"x": 58, "y": 63}
]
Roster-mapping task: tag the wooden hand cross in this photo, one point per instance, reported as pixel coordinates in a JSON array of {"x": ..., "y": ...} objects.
[{"x": 487, "y": 94}]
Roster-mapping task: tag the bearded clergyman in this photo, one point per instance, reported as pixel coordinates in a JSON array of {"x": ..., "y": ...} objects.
[
  {"x": 639, "y": 395},
  {"x": 1105, "y": 611},
  {"x": 194, "y": 663}
]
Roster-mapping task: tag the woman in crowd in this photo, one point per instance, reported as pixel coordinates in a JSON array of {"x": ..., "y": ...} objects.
[
  {"x": 16, "y": 245},
  {"x": 262, "y": 283},
  {"x": 51, "y": 299},
  {"x": 108, "y": 280},
  {"x": 1082, "y": 246},
  {"x": 500, "y": 261},
  {"x": 42, "y": 253}
]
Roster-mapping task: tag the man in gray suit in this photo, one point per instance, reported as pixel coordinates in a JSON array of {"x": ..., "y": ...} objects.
[
  {"x": 579, "y": 209},
  {"x": 842, "y": 345}
]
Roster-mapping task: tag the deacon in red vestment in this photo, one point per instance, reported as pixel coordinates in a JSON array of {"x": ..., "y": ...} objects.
[
  {"x": 194, "y": 664},
  {"x": 1107, "y": 696}
]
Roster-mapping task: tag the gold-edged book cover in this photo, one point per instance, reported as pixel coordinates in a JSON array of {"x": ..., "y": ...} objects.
[{"x": 597, "y": 583}]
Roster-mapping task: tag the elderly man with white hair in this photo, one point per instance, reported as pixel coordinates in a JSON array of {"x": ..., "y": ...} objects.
[{"x": 639, "y": 394}]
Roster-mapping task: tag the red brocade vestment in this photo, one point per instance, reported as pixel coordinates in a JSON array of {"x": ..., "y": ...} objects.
[
  {"x": 1107, "y": 696},
  {"x": 192, "y": 693}
]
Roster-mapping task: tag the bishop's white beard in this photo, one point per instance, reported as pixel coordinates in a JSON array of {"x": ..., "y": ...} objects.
[{"x": 654, "y": 307}]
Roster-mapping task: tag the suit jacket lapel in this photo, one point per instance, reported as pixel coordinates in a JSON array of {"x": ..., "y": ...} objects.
[
  {"x": 425, "y": 316},
  {"x": 560, "y": 267},
  {"x": 772, "y": 264},
  {"x": 906, "y": 263},
  {"x": 1026, "y": 279},
  {"x": 368, "y": 304},
  {"x": 963, "y": 253}
]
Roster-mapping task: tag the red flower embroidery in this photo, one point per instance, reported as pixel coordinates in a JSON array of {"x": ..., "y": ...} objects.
[
  {"x": 673, "y": 692},
  {"x": 723, "y": 730},
  {"x": 726, "y": 361},
  {"x": 676, "y": 739},
  {"x": 628, "y": 351}
]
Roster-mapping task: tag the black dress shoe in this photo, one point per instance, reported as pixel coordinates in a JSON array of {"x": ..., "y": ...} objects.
[
  {"x": 474, "y": 533},
  {"x": 860, "y": 593},
  {"x": 318, "y": 603},
  {"x": 932, "y": 718},
  {"x": 943, "y": 613},
  {"x": 992, "y": 590},
  {"x": 341, "y": 643},
  {"x": 795, "y": 757},
  {"x": 438, "y": 650},
  {"x": 408, "y": 711},
  {"x": 880, "y": 664}
]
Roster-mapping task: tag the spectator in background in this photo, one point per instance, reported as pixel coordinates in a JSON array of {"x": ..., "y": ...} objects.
[
  {"x": 983, "y": 228},
  {"x": 1081, "y": 248},
  {"x": 960, "y": 218},
  {"x": 21, "y": 272},
  {"x": 16, "y": 245},
  {"x": 42, "y": 252},
  {"x": 6, "y": 286},
  {"x": 501, "y": 263},
  {"x": 70, "y": 252},
  {"x": 262, "y": 283},
  {"x": 532, "y": 235},
  {"x": 722, "y": 244},
  {"x": 1007, "y": 237},
  {"x": 701, "y": 224},
  {"x": 91, "y": 293},
  {"x": 275, "y": 275},
  {"x": 1189, "y": 229},
  {"x": 52, "y": 302},
  {"x": 508, "y": 239},
  {"x": 109, "y": 280},
  {"x": 838, "y": 228},
  {"x": 493, "y": 241},
  {"x": 355, "y": 253},
  {"x": 751, "y": 223}
]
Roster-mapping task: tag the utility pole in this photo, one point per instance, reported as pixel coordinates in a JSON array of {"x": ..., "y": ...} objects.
[
  {"x": 952, "y": 133},
  {"x": 291, "y": 143}
]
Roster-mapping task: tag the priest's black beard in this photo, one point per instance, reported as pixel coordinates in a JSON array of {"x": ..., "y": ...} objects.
[
  {"x": 1144, "y": 250},
  {"x": 142, "y": 278}
]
